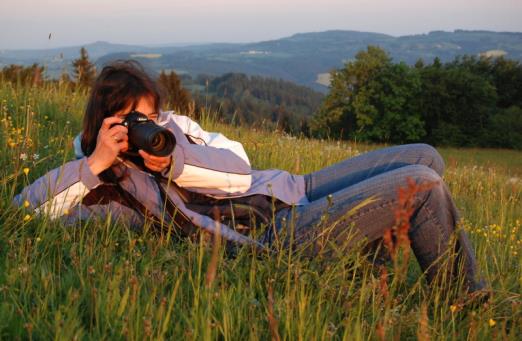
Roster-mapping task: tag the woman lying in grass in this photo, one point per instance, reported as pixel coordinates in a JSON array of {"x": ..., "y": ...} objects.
[{"x": 207, "y": 183}]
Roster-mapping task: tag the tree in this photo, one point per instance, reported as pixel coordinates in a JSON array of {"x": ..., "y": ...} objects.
[
  {"x": 84, "y": 70},
  {"x": 386, "y": 108},
  {"x": 260, "y": 101},
  {"x": 466, "y": 102},
  {"x": 332, "y": 115},
  {"x": 26, "y": 76},
  {"x": 507, "y": 77},
  {"x": 373, "y": 100},
  {"x": 178, "y": 98},
  {"x": 457, "y": 100},
  {"x": 506, "y": 128}
]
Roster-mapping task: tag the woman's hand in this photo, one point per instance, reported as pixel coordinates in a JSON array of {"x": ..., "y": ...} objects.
[
  {"x": 109, "y": 143},
  {"x": 155, "y": 163}
]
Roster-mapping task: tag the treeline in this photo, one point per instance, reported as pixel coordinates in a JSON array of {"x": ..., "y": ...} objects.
[
  {"x": 235, "y": 98},
  {"x": 258, "y": 101},
  {"x": 31, "y": 75},
  {"x": 84, "y": 73},
  {"x": 468, "y": 102}
]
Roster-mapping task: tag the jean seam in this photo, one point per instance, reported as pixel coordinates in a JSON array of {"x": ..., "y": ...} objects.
[
  {"x": 384, "y": 204},
  {"x": 433, "y": 217},
  {"x": 308, "y": 187}
]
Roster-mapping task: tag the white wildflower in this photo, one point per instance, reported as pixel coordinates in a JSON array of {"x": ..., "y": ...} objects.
[
  {"x": 36, "y": 156},
  {"x": 23, "y": 156},
  {"x": 513, "y": 181}
]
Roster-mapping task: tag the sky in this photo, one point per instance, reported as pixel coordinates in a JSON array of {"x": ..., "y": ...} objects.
[{"x": 27, "y": 24}]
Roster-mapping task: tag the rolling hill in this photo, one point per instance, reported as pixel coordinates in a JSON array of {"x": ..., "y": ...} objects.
[{"x": 303, "y": 58}]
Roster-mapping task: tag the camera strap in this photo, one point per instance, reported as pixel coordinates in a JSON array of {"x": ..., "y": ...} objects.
[
  {"x": 177, "y": 217},
  {"x": 183, "y": 225},
  {"x": 188, "y": 228},
  {"x": 113, "y": 192}
]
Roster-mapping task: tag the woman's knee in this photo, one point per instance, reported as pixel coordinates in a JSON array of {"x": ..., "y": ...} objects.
[
  {"x": 431, "y": 155},
  {"x": 422, "y": 174}
]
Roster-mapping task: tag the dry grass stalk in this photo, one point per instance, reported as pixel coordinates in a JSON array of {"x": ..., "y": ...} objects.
[
  {"x": 381, "y": 333},
  {"x": 212, "y": 266},
  {"x": 396, "y": 238},
  {"x": 272, "y": 321},
  {"x": 383, "y": 283},
  {"x": 423, "y": 331}
]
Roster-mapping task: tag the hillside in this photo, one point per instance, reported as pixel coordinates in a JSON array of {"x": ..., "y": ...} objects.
[
  {"x": 300, "y": 58},
  {"x": 257, "y": 101}
]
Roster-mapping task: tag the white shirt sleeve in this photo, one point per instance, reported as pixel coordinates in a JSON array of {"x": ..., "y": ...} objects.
[{"x": 202, "y": 137}]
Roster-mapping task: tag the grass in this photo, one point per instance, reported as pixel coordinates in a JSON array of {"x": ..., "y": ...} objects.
[{"x": 99, "y": 280}]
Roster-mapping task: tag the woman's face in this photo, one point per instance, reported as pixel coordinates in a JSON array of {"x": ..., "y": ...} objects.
[{"x": 145, "y": 106}]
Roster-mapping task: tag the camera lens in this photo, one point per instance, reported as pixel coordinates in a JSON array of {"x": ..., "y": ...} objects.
[
  {"x": 145, "y": 134},
  {"x": 158, "y": 142}
]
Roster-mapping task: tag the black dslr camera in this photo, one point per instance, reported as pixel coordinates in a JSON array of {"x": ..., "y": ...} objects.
[{"x": 146, "y": 135}]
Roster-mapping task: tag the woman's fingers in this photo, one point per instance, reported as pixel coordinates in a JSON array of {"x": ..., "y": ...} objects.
[
  {"x": 123, "y": 145},
  {"x": 118, "y": 130},
  {"x": 119, "y": 136},
  {"x": 112, "y": 139},
  {"x": 154, "y": 158},
  {"x": 113, "y": 135},
  {"x": 155, "y": 163},
  {"x": 154, "y": 167},
  {"x": 109, "y": 121}
]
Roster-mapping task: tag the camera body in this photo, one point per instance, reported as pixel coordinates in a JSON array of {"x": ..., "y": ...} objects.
[{"x": 145, "y": 134}]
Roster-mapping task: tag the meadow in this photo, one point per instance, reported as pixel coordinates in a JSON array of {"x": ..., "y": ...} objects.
[{"x": 99, "y": 280}]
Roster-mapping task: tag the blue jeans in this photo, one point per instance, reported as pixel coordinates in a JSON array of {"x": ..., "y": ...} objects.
[{"x": 335, "y": 190}]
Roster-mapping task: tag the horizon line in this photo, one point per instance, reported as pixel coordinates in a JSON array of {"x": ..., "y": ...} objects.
[{"x": 188, "y": 44}]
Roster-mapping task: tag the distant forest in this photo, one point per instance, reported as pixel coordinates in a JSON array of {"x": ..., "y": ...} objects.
[
  {"x": 258, "y": 101},
  {"x": 466, "y": 102},
  {"x": 239, "y": 99},
  {"x": 234, "y": 98}
]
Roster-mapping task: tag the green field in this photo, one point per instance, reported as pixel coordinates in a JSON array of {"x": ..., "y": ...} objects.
[{"x": 99, "y": 280}]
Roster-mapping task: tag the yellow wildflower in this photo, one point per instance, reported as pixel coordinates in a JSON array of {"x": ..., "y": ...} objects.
[
  {"x": 492, "y": 322},
  {"x": 453, "y": 308},
  {"x": 26, "y": 204},
  {"x": 26, "y": 170},
  {"x": 38, "y": 239},
  {"x": 27, "y": 217}
]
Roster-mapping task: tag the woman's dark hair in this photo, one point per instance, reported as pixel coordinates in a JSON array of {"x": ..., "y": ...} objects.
[{"x": 120, "y": 84}]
